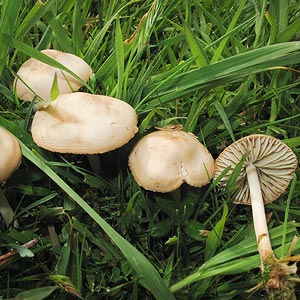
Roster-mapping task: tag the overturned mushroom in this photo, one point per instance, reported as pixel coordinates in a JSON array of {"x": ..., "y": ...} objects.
[
  {"x": 162, "y": 160},
  {"x": 36, "y": 78},
  {"x": 10, "y": 160},
  {"x": 267, "y": 171},
  {"x": 82, "y": 123}
]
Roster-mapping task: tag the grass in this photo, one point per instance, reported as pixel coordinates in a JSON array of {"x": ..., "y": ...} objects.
[{"x": 223, "y": 71}]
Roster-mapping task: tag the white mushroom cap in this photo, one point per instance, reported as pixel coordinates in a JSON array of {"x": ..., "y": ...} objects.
[
  {"x": 39, "y": 76},
  {"x": 83, "y": 123},
  {"x": 10, "y": 157},
  {"x": 162, "y": 160},
  {"x": 275, "y": 163}
]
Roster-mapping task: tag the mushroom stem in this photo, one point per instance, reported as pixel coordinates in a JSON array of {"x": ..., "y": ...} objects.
[
  {"x": 279, "y": 270},
  {"x": 259, "y": 216}
]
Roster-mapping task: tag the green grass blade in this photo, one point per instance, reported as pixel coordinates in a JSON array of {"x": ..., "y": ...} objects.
[
  {"x": 283, "y": 13},
  {"x": 260, "y": 21},
  {"x": 293, "y": 142},
  {"x": 249, "y": 246},
  {"x": 8, "y": 19},
  {"x": 64, "y": 257},
  {"x": 232, "y": 24},
  {"x": 196, "y": 48},
  {"x": 119, "y": 59},
  {"x": 151, "y": 91},
  {"x": 54, "y": 92},
  {"x": 77, "y": 34},
  {"x": 224, "y": 71},
  {"x": 272, "y": 20},
  {"x": 36, "y": 203},
  {"x": 92, "y": 50},
  {"x": 286, "y": 216},
  {"x": 215, "y": 235},
  {"x": 218, "y": 105},
  {"x": 61, "y": 35},
  {"x": 198, "y": 105},
  {"x": 149, "y": 276},
  {"x": 34, "y": 15},
  {"x": 289, "y": 32},
  {"x": 36, "y": 294}
]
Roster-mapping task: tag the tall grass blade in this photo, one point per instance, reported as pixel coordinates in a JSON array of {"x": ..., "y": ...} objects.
[
  {"x": 77, "y": 34},
  {"x": 286, "y": 215},
  {"x": 232, "y": 24},
  {"x": 218, "y": 105},
  {"x": 195, "y": 46},
  {"x": 260, "y": 21},
  {"x": 91, "y": 51},
  {"x": 289, "y": 32},
  {"x": 8, "y": 19},
  {"x": 34, "y": 15},
  {"x": 119, "y": 59},
  {"x": 61, "y": 35},
  {"x": 225, "y": 71},
  {"x": 215, "y": 235},
  {"x": 149, "y": 276}
]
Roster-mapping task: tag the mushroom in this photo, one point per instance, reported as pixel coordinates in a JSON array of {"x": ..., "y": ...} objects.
[
  {"x": 10, "y": 157},
  {"x": 266, "y": 173},
  {"x": 10, "y": 160},
  {"x": 82, "y": 123},
  {"x": 162, "y": 160},
  {"x": 36, "y": 78}
]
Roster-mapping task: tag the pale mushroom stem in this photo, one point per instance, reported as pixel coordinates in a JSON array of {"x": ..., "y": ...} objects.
[
  {"x": 280, "y": 271},
  {"x": 259, "y": 216}
]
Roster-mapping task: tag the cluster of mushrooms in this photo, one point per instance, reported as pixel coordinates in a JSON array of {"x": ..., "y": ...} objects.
[{"x": 83, "y": 123}]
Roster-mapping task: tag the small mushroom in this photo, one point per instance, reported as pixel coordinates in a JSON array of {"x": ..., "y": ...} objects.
[
  {"x": 10, "y": 160},
  {"x": 10, "y": 157},
  {"x": 162, "y": 160},
  {"x": 36, "y": 78},
  {"x": 82, "y": 123},
  {"x": 267, "y": 171}
]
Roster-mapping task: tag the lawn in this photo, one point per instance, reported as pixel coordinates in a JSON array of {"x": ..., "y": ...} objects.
[{"x": 221, "y": 70}]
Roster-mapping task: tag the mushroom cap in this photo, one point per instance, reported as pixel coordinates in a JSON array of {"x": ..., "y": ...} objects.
[
  {"x": 162, "y": 160},
  {"x": 275, "y": 163},
  {"x": 39, "y": 76},
  {"x": 10, "y": 157},
  {"x": 83, "y": 123}
]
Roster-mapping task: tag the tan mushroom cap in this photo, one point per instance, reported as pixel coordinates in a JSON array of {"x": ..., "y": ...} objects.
[
  {"x": 275, "y": 164},
  {"x": 39, "y": 76},
  {"x": 162, "y": 160},
  {"x": 11, "y": 155},
  {"x": 83, "y": 123}
]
